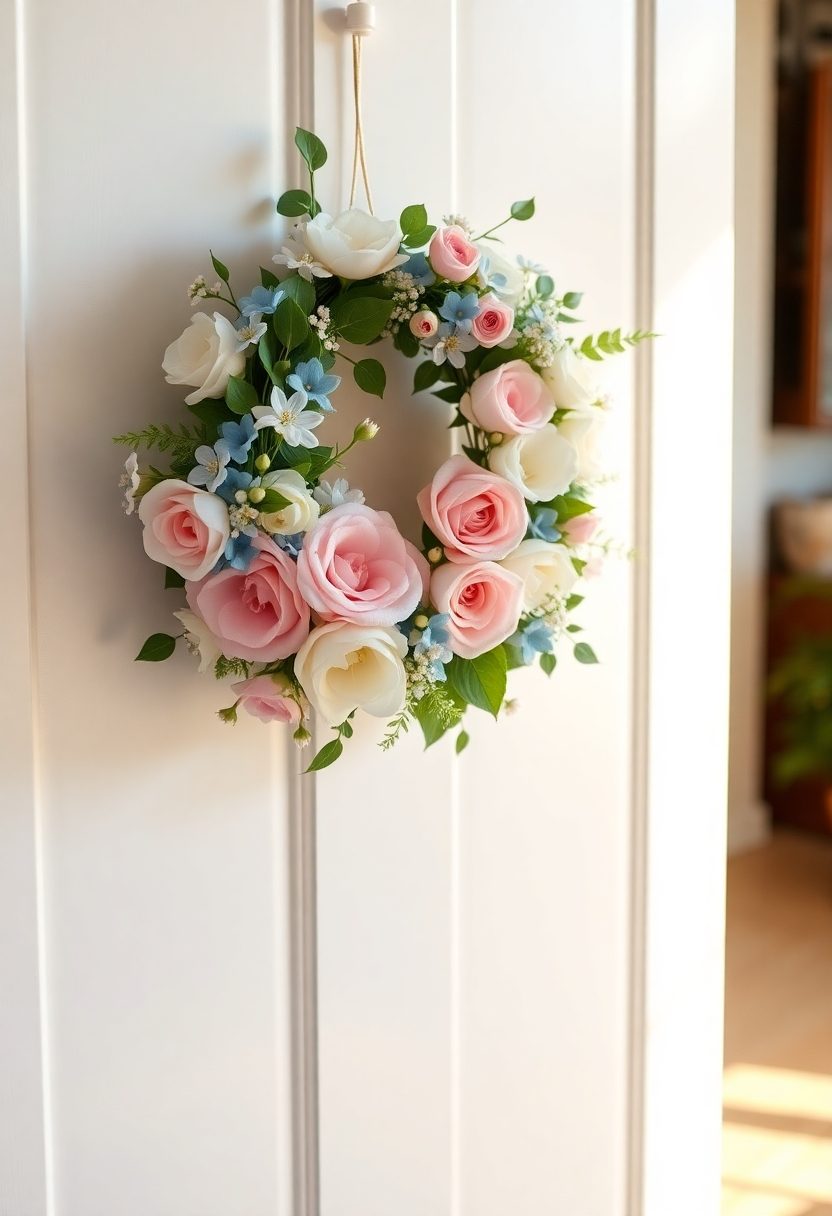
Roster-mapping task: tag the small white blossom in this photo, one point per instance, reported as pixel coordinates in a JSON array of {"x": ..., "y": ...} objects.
[
  {"x": 530, "y": 267},
  {"x": 199, "y": 639},
  {"x": 451, "y": 345},
  {"x": 251, "y": 330},
  {"x": 197, "y": 290},
  {"x": 129, "y": 482},
  {"x": 292, "y": 421},
  {"x": 320, "y": 320},
  {"x": 295, "y": 255},
  {"x": 336, "y": 494},
  {"x": 458, "y": 221}
]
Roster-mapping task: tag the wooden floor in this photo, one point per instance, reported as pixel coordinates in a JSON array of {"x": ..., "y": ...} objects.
[{"x": 777, "y": 1158}]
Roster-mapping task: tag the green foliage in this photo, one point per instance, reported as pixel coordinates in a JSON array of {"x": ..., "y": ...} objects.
[
  {"x": 220, "y": 268},
  {"x": 481, "y": 681},
  {"x": 370, "y": 376},
  {"x": 801, "y": 685},
  {"x": 303, "y": 293},
  {"x": 545, "y": 286},
  {"x": 159, "y": 646},
  {"x": 584, "y": 653},
  {"x": 359, "y": 319},
  {"x": 572, "y": 299},
  {"x": 211, "y": 413},
  {"x": 273, "y": 501},
  {"x": 173, "y": 580},
  {"x": 406, "y": 342},
  {"x": 413, "y": 219},
  {"x": 240, "y": 396},
  {"x": 568, "y": 506},
  {"x": 523, "y": 210},
  {"x": 311, "y": 149},
  {"x": 231, "y": 667},
  {"x": 328, "y": 754},
  {"x": 294, "y": 203},
  {"x": 290, "y": 323},
  {"x": 181, "y": 442},
  {"x": 612, "y": 342},
  {"x": 548, "y": 663},
  {"x": 438, "y": 711},
  {"x": 268, "y": 278},
  {"x": 426, "y": 374},
  {"x": 462, "y": 741}
]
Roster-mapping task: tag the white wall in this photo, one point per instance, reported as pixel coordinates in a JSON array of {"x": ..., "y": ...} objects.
[{"x": 498, "y": 1024}]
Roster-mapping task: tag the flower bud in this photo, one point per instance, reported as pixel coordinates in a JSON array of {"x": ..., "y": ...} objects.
[
  {"x": 495, "y": 439},
  {"x": 435, "y": 555},
  {"x": 424, "y": 324},
  {"x": 262, "y": 463},
  {"x": 365, "y": 430},
  {"x": 302, "y": 737},
  {"x": 256, "y": 494},
  {"x": 421, "y": 621},
  {"x": 228, "y": 715},
  {"x": 240, "y": 497}
]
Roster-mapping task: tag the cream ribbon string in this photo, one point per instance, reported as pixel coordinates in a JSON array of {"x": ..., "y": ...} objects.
[{"x": 359, "y": 156}]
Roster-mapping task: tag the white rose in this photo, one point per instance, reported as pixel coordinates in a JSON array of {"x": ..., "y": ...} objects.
[
  {"x": 570, "y": 380},
  {"x": 510, "y": 286},
  {"x": 541, "y": 464},
  {"x": 199, "y": 639},
  {"x": 302, "y": 511},
  {"x": 354, "y": 245},
  {"x": 205, "y": 355},
  {"x": 583, "y": 429},
  {"x": 345, "y": 667},
  {"x": 546, "y": 571}
]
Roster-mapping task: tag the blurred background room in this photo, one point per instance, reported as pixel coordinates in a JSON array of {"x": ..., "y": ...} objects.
[{"x": 778, "y": 1036}]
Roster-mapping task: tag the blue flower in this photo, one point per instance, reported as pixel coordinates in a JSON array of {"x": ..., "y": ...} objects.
[
  {"x": 210, "y": 470},
  {"x": 238, "y": 552},
  {"x": 238, "y": 437},
  {"x": 534, "y": 639},
  {"x": 262, "y": 299},
  {"x": 542, "y": 524},
  {"x": 235, "y": 479},
  {"x": 310, "y": 378},
  {"x": 418, "y": 267},
  {"x": 461, "y": 310},
  {"x": 488, "y": 278},
  {"x": 290, "y": 544},
  {"x": 434, "y": 644}
]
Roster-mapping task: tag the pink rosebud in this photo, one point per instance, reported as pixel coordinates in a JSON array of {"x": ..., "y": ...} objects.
[
  {"x": 472, "y": 511},
  {"x": 484, "y": 602},
  {"x": 185, "y": 527},
  {"x": 452, "y": 254},
  {"x": 257, "y": 614},
  {"x": 265, "y": 698},
  {"x": 512, "y": 399},
  {"x": 424, "y": 324},
  {"x": 356, "y": 566},
  {"x": 580, "y": 528},
  {"x": 494, "y": 322}
]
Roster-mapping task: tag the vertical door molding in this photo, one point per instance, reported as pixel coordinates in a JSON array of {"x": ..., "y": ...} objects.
[
  {"x": 682, "y": 482},
  {"x": 23, "y": 1160}
]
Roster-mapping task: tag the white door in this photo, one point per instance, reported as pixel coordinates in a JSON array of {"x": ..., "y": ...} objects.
[{"x": 414, "y": 985}]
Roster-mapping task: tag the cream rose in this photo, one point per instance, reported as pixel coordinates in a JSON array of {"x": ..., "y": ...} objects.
[
  {"x": 546, "y": 571},
  {"x": 541, "y": 464},
  {"x": 342, "y": 667},
  {"x": 206, "y": 354},
  {"x": 570, "y": 380},
  {"x": 354, "y": 245},
  {"x": 505, "y": 278},
  {"x": 302, "y": 511},
  {"x": 583, "y": 429}
]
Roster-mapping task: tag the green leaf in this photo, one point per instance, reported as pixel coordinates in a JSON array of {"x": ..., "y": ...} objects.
[
  {"x": 311, "y": 149},
  {"x": 172, "y": 579},
  {"x": 406, "y": 342},
  {"x": 413, "y": 219},
  {"x": 545, "y": 285},
  {"x": 328, "y": 754},
  {"x": 222, "y": 270},
  {"x": 240, "y": 396},
  {"x": 568, "y": 506},
  {"x": 584, "y": 653},
  {"x": 572, "y": 299},
  {"x": 462, "y": 741},
  {"x": 158, "y": 646},
  {"x": 267, "y": 354},
  {"x": 573, "y": 601},
  {"x": 415, "y": 240},
  {"x": 274, "y": 501},
  {"x": 497, "y": 357},
  {"x": 212, "y": 413},
  {"x": 294, "y": 202},
  {"x": 290, "y": 324},
  {"x": 426, "y": 374},
  {"x": 452, "y": 393},
  {"x": 303, "y": 293},
  {"x": 433, "y": 728},
  {"x": 370, "y": 376},
  {"x": 548, "y": 662},
  {"x": 360, "y": 320},
  {"x": 524, "y": 210},
  {"x": 481, "y": 681},
  {"x": 268, "y": 278}
]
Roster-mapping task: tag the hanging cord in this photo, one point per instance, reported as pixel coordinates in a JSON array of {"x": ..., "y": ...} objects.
[{"x": 360, "y": 22}]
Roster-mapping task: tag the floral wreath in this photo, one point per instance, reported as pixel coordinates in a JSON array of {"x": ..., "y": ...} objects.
[{"x": 297, "y": 589}]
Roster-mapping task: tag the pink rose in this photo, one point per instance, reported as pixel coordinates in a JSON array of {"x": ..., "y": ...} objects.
[
  {"x": 494, "y": 322},
  {"x": 484, "y": 602},
  {"x": 424, "y": 324},
  {"x": 184, "y": 527},
  {"x": 356, "y": 566},
  {"x": 452, "y": 254},
  {"x": 512, "y": 399},
  {"x": 265, "y": 697},
  {"x": 257, "y": 614},
  {"x": 580, "y": 528},
  {"x": 472, "y": 511}
]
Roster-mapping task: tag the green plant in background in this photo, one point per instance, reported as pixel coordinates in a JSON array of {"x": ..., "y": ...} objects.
[{"x": 801, "y": 685}]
